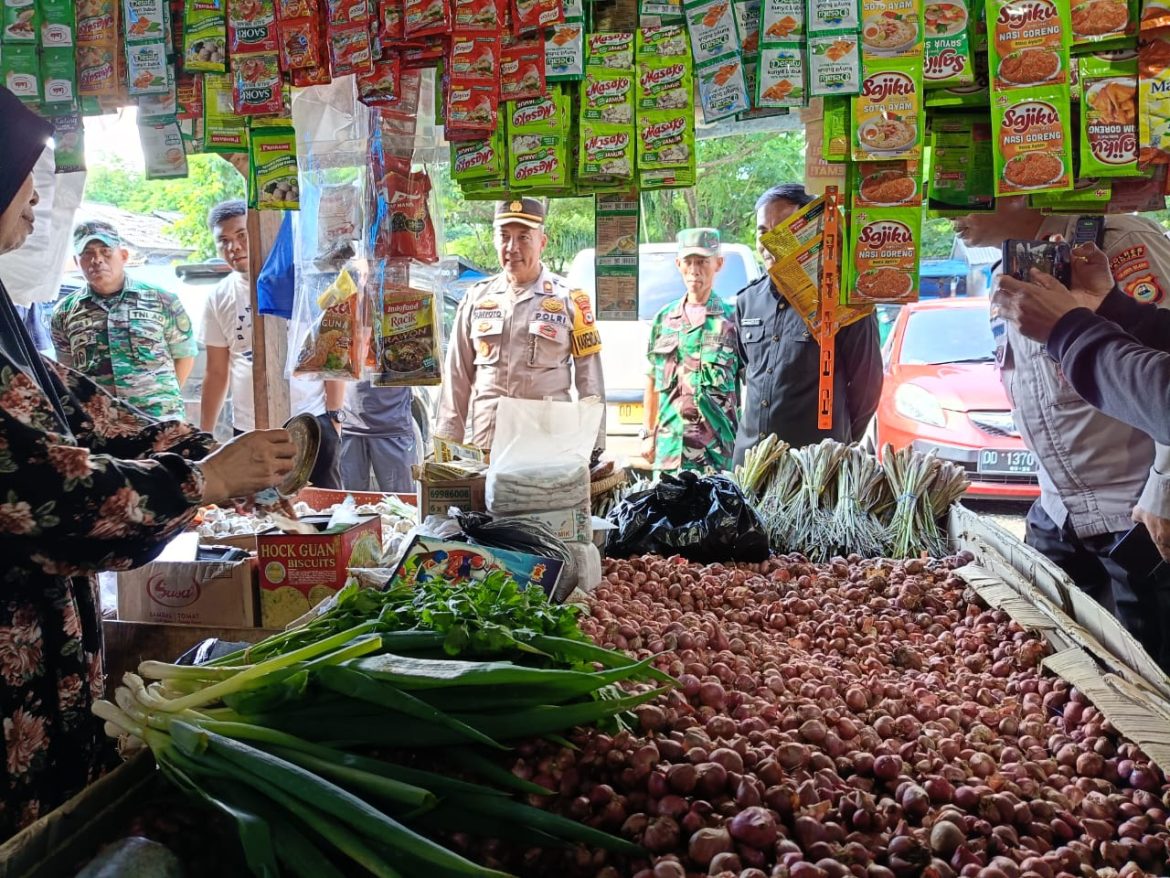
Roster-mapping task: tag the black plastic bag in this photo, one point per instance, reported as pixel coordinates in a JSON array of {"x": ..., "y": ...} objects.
[{"x": 704, "y": 519}]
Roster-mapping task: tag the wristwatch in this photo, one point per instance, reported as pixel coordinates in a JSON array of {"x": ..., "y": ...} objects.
[
  {"x": 645, "y": 433},
  {"x": 337, "y": 416}
]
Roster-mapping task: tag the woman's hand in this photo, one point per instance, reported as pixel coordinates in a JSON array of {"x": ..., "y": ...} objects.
[{"x": 247, "y": 464}]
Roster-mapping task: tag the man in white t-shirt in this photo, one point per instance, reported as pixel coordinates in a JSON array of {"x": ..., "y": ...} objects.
[
  {"x": 227, "y": 324},
  {"x": 227, "y": 335}
]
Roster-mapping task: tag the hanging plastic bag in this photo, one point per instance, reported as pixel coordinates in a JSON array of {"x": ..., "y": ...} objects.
[
  {"x": 540, "y": 454},
  {"x": 705, "y": 520},
  {"x": 335, "y": 343}
]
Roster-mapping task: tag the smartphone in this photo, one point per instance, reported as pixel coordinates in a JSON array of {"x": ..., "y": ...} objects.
[
  {"x": 1050, "y": 257},
  {"x": 1137, "y": 553}
]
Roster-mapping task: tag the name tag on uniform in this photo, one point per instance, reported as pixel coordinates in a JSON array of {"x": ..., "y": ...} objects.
[
  {"x": 752, "y": 321},
  {"x": 481, "y": 327},
  {"x": 140, "y": 314}
]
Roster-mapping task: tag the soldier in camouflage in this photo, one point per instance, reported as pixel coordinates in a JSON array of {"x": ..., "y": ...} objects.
[
  {"x": 134, "y": 340},
  {"x": 692, "y": 392}
]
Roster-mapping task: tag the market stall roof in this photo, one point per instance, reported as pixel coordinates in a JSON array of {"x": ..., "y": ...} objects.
[{"x": 147, "y": 235}]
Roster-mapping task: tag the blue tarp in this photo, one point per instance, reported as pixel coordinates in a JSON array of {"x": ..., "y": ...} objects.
[
  {"x": 277, "y": 279},
  {"x": 944, "y": 268}
]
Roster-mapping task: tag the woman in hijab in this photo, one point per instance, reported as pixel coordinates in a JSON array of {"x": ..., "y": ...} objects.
[{"x": 87, "y": 483}]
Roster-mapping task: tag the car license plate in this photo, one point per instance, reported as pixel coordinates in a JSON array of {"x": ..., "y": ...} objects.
[
  {"x": 630, "y": 413},
  {"x": 994, "y": 462}
]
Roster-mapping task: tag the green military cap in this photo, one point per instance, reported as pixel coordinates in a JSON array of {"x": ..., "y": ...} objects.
[
  {"x": 95, "y": 230},
  {"x": 698, "y": 242}
]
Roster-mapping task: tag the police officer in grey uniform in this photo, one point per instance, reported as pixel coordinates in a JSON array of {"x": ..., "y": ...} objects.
[{"x": 522, "y": 333}]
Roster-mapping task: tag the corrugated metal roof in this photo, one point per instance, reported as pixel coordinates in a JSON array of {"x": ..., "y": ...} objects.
[{"x": 144, "y": 233}]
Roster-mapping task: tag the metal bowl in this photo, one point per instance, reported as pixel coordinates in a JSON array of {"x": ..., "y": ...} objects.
[{"x": 306, "y": 435}]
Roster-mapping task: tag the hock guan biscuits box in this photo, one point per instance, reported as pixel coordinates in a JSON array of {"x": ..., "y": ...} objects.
[{"x": 298, "y": 571}]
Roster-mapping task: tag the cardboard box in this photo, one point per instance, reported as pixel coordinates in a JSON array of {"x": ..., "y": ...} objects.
[
  {"x": 325, "y": 498},
  {"x": 247, "y": 542},
  {"x": 427, "y": 556},
  {"x": 435, "y": 498},
  {"x": 298, "y": 571},
  {"x": 570, "y": 525},
  {"x": 214, "y": 593}
]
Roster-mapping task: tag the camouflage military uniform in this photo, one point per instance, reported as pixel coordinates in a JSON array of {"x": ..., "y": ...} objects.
[
  {"x": 128, "y": 344},
  {"x": 696, "y": 372}
]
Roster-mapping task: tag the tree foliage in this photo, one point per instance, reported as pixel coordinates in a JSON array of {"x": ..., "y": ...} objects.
[{"x": 211, "y": 180}]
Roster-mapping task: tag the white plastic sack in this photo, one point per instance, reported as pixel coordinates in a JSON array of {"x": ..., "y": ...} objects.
[
  {"x": 540, "y": 454},
  {"x": 33, "y": 272},
  {"x": 588, "y": 565}
]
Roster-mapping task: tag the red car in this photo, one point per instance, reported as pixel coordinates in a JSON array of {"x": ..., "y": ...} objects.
[{"x": 942, "y": 392}]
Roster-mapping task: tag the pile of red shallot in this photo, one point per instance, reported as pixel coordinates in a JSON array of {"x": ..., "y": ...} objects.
[{"x": 861, "y": 718}]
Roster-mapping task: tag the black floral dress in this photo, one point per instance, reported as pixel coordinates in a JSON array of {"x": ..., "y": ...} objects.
[{"x": 87, "y": 483}]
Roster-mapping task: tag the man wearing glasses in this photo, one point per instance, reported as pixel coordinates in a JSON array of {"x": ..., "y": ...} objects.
[
  {"x": 134, "y": 340},
  {"x": 522, "y": 334}
]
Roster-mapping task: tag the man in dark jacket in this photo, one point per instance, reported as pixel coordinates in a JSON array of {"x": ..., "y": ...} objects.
[{"x": 782, "y": 358}]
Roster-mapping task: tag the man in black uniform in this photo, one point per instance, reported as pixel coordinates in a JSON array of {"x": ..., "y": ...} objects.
[{"x": 782, "y": 358}]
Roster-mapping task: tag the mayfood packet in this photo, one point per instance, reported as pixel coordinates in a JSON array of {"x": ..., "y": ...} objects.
[
  {"x": 888, "y": 115},
  {"x": 891, "y": 29},
  {"x": 834, "y": 65},
  {"x": 711, "y": 24},
  {"x": 1034, "y": 141},
  {"x": 723, "y": 87},
  {"x": 949, "y": 60},
  {"x": 885, "y": 244},
  {"x": 781, "y": 77},
  {"x": 1028, "y": 43},
  {"x": 1109, "y": 123}
]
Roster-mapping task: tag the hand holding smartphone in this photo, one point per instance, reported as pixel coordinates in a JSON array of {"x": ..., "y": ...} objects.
[{"x": 1051, "y": 257}]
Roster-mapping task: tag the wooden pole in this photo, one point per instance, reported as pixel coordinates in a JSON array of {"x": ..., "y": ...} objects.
[{"x": 269, "y": 334}]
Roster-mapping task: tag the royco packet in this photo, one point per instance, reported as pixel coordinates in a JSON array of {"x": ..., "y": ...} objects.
[
  {"x": 780, "y": 81},
  {"x": 1109, "y": 111},
  {"x": 564, "y": 51},
  {"x": 162, "y": 146},
  {"x": 948, "y": 60},
  {"x": 962, "y": 164},
  {"x": 272, "y": 165},
  {"x": 883, "y": 267},
  {"x": 833, "y": 16},
  {"x": 1028, "y": 43},
  {"x": 711, "y": 24},
  {"x": 834, "y": 65},
  {"x": 1154, "y": 98},
  {"x": 522, "y": 70},
  {"x": 888, "y": 114},
  {"x": 204, "y": 36},
  {"x": 891, "y": 29},
  {"x": 1098, "y": 23},
  {"x": 781, "y": 21},
  {"x": 1034, "y": 141}
]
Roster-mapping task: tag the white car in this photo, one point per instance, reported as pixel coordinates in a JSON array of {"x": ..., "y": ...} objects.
[{"x": 623, "y": 352}]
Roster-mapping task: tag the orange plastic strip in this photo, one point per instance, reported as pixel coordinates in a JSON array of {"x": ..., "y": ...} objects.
[{"x": 830, "y": 298}]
